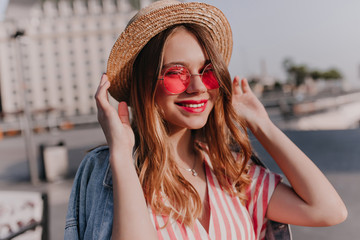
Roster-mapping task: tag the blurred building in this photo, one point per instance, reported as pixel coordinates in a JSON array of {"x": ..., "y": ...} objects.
[{"x": 52, "y": 55}]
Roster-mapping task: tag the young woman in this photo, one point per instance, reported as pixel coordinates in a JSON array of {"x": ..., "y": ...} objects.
[{"x": 181, "y": 168}]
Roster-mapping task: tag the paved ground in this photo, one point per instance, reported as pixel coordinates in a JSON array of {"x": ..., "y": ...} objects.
[{"x": 337, "y": 153}]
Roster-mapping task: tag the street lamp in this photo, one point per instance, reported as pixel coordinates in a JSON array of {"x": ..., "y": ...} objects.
[{"x": 25, "y": 119}]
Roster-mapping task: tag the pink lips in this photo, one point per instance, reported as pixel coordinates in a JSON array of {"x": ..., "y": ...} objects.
[{"x": 193, "y": 106}]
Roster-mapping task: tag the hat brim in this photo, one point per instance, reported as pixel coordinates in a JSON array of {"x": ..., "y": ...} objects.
[{"x": 139, "y": 32}]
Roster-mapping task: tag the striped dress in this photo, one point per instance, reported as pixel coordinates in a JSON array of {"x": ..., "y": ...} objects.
[{"x": 229, "y": 219}]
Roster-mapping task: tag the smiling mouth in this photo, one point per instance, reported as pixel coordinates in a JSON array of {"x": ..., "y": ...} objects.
[{"x": 191, "y": 105}]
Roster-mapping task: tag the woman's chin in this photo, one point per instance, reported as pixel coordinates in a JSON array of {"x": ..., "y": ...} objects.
[{"x": 195, "y": 125}]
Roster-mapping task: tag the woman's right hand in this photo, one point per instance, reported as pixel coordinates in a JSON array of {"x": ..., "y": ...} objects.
[
  {"x": 130, "y": 209},
  {"x": 115, "y": 124}
]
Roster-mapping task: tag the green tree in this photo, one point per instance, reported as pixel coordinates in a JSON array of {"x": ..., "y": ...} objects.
[
  {"x": 332, "y": 74},
  {"x": 296, "y": 73},
  {"x": 299, "y": 74},
  {"x": 316, "y": 74}
]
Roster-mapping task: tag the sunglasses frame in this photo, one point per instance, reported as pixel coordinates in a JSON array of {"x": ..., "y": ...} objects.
[{"x": 189, "y": 76}]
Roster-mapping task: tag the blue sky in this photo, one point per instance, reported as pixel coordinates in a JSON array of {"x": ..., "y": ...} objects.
[{"x": 318, "y": 33}]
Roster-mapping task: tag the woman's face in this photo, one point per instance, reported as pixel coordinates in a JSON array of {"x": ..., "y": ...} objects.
[{"x": 191, "y": 108}]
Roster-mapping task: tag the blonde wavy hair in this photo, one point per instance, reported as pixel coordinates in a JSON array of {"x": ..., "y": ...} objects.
[{"x": 166, "y": 191}]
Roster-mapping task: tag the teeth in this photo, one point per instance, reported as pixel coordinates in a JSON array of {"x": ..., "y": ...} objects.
[{"x": 193, "y": 105}]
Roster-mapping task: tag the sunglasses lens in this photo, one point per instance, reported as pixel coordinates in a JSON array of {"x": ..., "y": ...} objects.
[
  {"x": 176, "y": 79},
  {"x": 209, "y": 78}
]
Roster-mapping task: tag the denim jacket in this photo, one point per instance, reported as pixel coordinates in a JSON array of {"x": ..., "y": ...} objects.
[{"x": 90, "y": 208}]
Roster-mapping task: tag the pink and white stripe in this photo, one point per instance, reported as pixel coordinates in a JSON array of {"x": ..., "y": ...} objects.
[
  {"x": 259, "y": 193},
  {"x": 229, "y": 219}
]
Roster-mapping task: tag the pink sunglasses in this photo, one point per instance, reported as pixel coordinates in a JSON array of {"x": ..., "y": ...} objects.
[{"x": 176, "y": 79}]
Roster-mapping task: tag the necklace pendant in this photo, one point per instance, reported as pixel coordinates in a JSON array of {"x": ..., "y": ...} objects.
[{"x": 194, "y": 173}]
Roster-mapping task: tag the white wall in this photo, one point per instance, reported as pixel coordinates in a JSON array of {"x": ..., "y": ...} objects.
[{"x": 61, "y": 56}]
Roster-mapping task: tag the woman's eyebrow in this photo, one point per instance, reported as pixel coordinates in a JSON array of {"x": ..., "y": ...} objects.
[{"x": 174, "y": 63}]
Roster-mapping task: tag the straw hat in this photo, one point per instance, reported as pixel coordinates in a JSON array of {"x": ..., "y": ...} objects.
[{"x": 150, "y": 21}]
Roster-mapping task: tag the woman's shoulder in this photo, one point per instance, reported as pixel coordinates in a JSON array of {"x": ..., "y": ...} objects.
[
  {"x": 95, "y": 162},
  {"x": 99, "y": 151},
  {"x": 97, "y": 156}
]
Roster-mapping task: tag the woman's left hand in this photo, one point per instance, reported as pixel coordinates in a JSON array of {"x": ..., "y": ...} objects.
[
  {"x": 312, "y": 200},
  {"x": 247, "y": 105}
]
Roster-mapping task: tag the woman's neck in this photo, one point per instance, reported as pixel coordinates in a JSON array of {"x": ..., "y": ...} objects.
[{"x": 183, "y": 147}]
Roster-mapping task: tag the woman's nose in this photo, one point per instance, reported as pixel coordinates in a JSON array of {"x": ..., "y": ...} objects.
[{"x": 196, "y": 85}]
